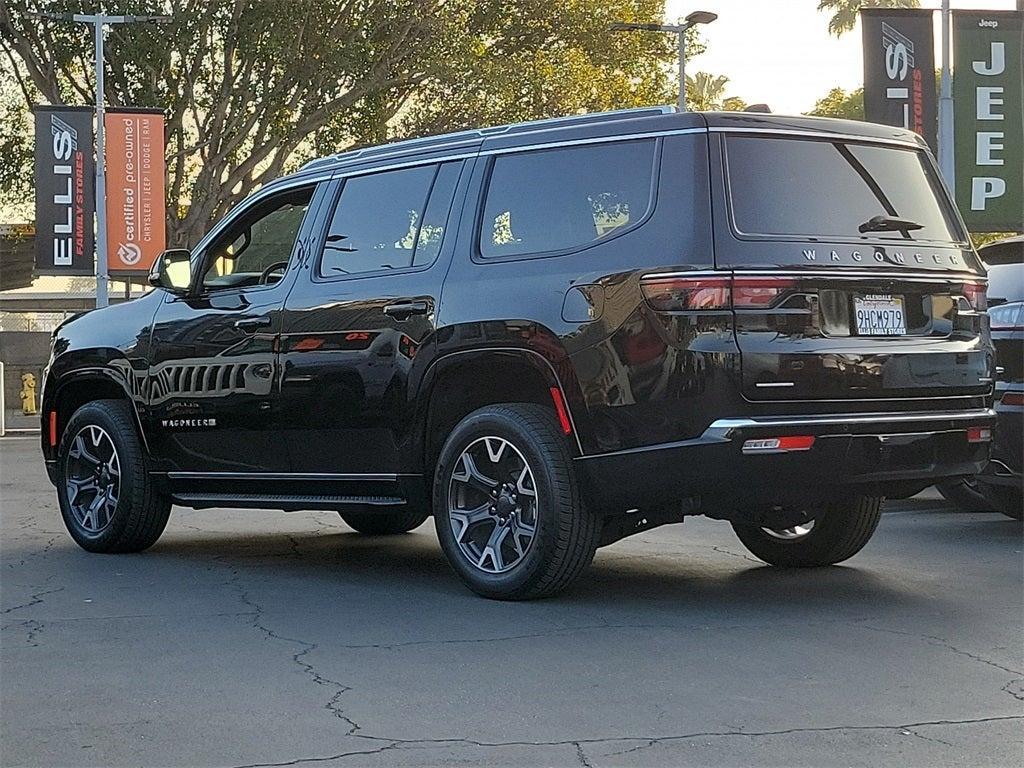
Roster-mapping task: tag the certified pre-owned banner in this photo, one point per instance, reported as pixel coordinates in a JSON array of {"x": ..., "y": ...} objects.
[
  {"x": 899, "y": 70},
  {"x": 135, "y": 188},
  {"x": 988, "y": 98},
  {"x": 65, "y": 190}
]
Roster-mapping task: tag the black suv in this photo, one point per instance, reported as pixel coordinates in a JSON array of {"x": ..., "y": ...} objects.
[{"x": 549, "y": 336}]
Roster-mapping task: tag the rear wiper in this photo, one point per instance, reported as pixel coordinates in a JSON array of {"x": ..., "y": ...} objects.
[{"x": 888, "y": 224}]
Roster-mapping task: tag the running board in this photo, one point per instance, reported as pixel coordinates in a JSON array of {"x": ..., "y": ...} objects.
[{"x": 286, "y": 502}]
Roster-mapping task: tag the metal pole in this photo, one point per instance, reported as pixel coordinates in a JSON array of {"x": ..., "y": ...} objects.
[
  {"x": 682, "y": 69},
  {"x": 946, "y": 159},
  {"x": 102, "y": 278}
]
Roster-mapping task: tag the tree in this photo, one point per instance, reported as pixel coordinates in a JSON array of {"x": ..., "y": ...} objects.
[
  {"x": 840, "y": 103},
  {"x": 252, "y": 88},
  {"x": 844, "y": 12},
  {"x": 706, "y": 92}
]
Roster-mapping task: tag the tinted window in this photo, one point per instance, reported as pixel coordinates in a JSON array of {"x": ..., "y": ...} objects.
[
  {"x": 435, "y": 217},
  {"x": 259, "y": 244},
  {"x": 377, "y": 221},
  {"x": 821, "y": 188},
  {"x": 550, "y": 200}
]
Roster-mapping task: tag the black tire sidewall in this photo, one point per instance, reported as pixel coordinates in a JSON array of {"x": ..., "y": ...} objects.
[
  {"x": 129, "y": 454},
  {"x": 545, "y": 468}
]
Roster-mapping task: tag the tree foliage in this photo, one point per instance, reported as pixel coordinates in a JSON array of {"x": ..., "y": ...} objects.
[
  {"x": 841, "y": 103},
  {"x": 706, "y": 92},
  {"x": 251, "y": 88},
  {"x": 844, "y": 12}
]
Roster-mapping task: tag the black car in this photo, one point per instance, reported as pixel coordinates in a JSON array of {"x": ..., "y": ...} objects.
[
  {"x": 549, "y": 336},
  {"x": 1000, "y": 485}
]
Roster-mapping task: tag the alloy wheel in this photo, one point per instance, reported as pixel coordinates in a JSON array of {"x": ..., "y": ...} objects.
[
  {"x": 791, "y": 534},
  {"x": 92, "y": 479},
  {"x": 492, "y": 505}
]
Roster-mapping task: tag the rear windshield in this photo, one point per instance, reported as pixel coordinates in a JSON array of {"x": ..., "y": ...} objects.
[{"x": 823, "y": 189}]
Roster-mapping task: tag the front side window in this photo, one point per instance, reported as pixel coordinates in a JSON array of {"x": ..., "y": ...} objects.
[
  {"x": 558, "y": 199},
  {"x": 841, "y": 189},
  {"x": 256, "y": 249}
]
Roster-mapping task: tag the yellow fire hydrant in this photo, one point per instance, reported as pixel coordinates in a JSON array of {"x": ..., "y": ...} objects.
[{"x": 28, "y": 393}]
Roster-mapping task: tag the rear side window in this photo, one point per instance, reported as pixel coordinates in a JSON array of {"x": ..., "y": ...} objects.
[
  {"x": 383, "y": 221},
  {"x": 560, "y": 199},
  {"x": 832, "y": 189}
]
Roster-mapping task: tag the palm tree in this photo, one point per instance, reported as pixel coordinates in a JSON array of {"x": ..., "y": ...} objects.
[
  {"x": 706, "y": 92},
  {"x": 844, "y": 12}
]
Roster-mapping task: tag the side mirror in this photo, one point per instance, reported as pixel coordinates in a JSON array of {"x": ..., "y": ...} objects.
[{"x": 172, "y": 270}]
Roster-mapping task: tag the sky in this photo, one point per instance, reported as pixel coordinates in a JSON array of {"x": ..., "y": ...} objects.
[{"x": 779, "y": 52}]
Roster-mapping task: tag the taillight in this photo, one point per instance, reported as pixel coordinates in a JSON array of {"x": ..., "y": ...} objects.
[
  {"x": 703, "y": 292},
  {"x": 1012, "y": 398},
  {"x": 758, "y": 292},
  {"x": 975, "y": 295},
  {"x": 680, "y": 294}
]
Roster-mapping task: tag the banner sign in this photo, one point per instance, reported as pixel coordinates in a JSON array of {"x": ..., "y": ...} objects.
[
  {"x": 988, "y": 115},
  {"x": 899, "y": 70},
  {"x": 135, "y": 188},
  {"x": 65, "y": 184}
]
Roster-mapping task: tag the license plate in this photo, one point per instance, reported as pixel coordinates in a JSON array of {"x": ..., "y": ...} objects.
[{"x": 880, "y": 315}]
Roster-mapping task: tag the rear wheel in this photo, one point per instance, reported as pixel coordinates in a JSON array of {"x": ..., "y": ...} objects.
[
  {"x": 105, "y": 493},
  {"x": 507, "y": 504},
  {"x": 838, "y": 531},
  {"x": 384, "y": 523}
]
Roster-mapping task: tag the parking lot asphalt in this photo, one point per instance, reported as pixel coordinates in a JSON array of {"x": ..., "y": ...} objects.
[{"x": 254, "y": 638}]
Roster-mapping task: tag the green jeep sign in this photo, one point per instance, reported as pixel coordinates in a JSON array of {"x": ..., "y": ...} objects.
[{"x": 988, "y": 93}]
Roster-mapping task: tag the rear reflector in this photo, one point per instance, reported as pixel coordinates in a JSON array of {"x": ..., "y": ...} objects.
[
  {"x": 53, "y": 428},
  {"x": 708, "y": 292},
  {"x": 1012, "y": 398},
  {"x": 563, "y": 414},
  {"x": 979, "y": 434},
  {"x": 779, "y": 444}
]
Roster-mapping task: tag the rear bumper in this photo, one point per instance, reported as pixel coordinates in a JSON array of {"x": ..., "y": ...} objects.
[{"x": 867, "y": 451}]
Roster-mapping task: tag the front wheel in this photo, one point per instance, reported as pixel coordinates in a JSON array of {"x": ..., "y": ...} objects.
[
  {"x": 106, "y": 496},
  {"x": 838, "y": 531},
  {"x": 507, "y": 504}
]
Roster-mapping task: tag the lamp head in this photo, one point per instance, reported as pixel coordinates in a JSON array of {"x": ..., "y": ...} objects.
[{"x": 701, "y": 17}]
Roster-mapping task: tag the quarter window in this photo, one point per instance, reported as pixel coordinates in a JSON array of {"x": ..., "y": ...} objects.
[{"x": 559, "y": 199}]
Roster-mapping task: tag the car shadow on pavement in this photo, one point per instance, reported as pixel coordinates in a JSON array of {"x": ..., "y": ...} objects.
[{"x": 411, "y": 568}]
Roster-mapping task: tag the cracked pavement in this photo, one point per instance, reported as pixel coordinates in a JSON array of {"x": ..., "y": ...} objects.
[{"x": 254, "y": 638}]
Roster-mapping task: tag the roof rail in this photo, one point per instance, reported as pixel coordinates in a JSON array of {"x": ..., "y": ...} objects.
[{"x": 448, "y": 140}]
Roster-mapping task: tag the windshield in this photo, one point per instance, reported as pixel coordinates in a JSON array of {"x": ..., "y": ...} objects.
[{"x": 835, "y": 189}]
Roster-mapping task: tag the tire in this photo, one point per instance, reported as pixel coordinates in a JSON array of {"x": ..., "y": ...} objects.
[
  {"x": 131, "y": 517},
  {"x": 1009, "y": 501},
  {"x": 841, "y": 529},
  {"x": 543, "y": 498},
  {"x": 964, "y": 494},
  {"x": 383, "y": 523}
]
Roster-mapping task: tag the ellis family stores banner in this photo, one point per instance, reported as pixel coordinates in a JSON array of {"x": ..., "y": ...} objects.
[
  {"x": 988, "y": 99},
  {"x": 65, "y": 184}
]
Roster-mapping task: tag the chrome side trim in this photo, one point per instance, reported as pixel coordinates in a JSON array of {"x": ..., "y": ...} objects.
[
  {"x": 385, "y": 477},
  {"x": 767, "y": 384},
  {"x": 721, "y": 429},
  {"x": 592, "y": 140},
  {"x": 837, "y": 274},
  {"x": 820, "y": 135}
]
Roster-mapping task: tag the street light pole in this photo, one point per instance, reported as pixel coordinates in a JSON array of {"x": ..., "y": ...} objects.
[
  {"x": 99, "y": 23},
  {"x": 946, "y": 165},
  {"x": 697, "y": 17}
]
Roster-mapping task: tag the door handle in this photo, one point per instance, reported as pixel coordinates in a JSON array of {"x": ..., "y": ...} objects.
[
  {"x": 400, "y": 310},
  {"x": 251, "y": 324}
]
